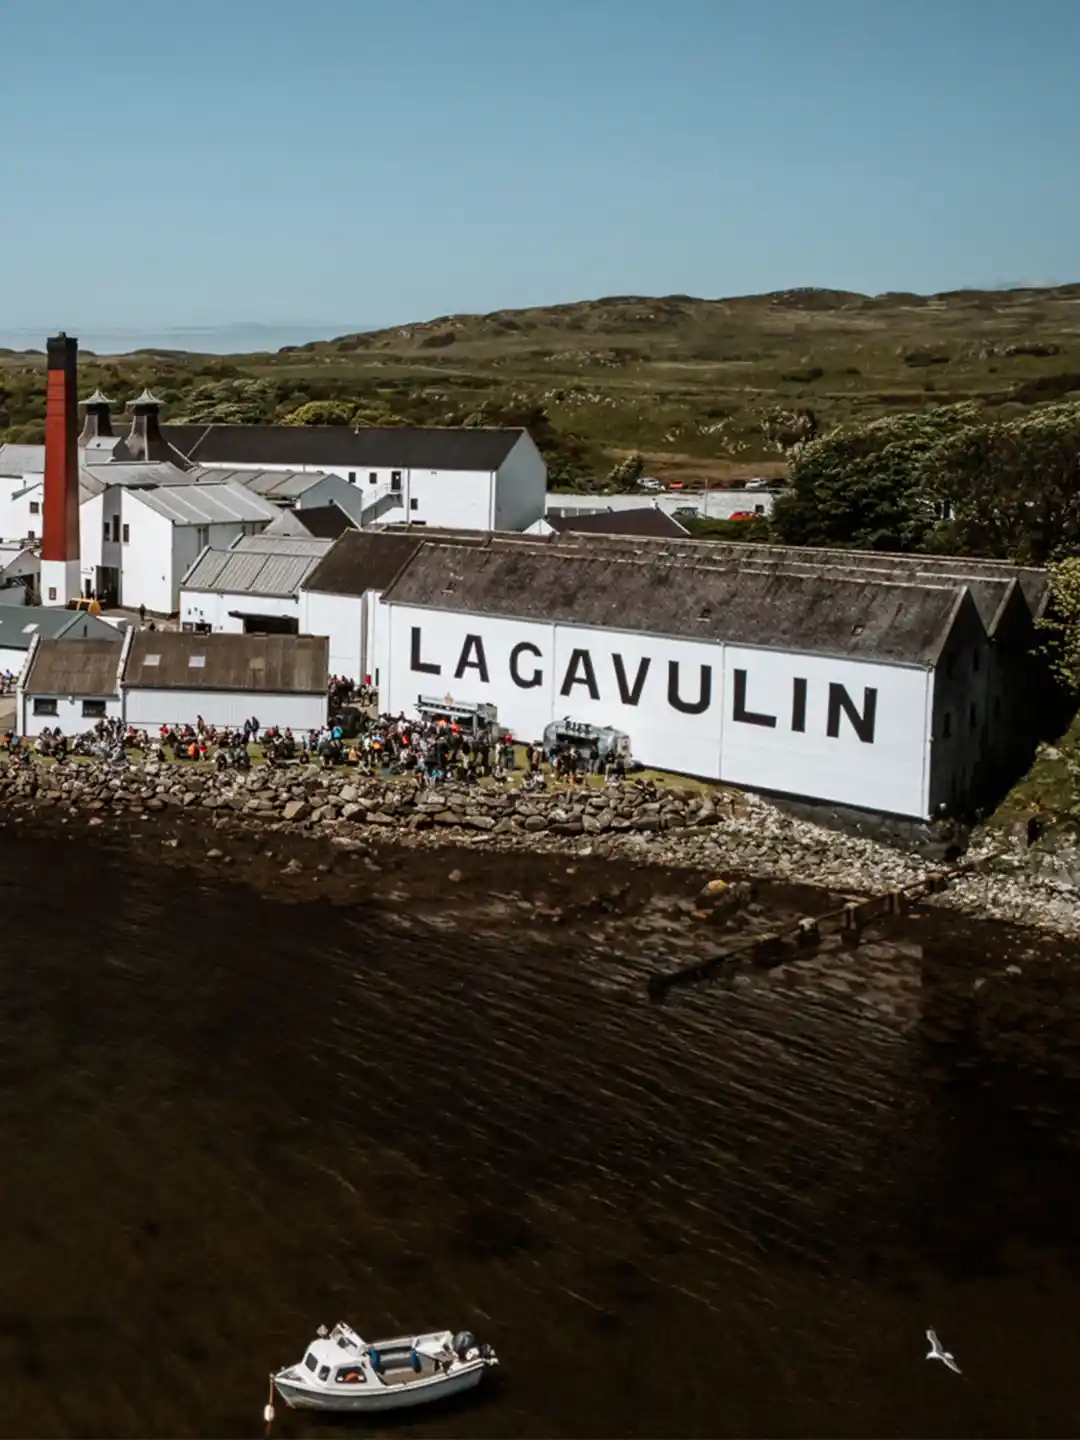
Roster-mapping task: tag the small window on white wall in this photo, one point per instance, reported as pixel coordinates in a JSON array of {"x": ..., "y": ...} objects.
[
  {"x": 414, "y": 504},
  {"x": 45, "y": 707}
]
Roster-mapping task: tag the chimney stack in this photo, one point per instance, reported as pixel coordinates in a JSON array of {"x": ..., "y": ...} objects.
[
  {"x": 60, "y": 576},
  {"x": 98, "y": 422},
  {"x": 145, "y": 440}
]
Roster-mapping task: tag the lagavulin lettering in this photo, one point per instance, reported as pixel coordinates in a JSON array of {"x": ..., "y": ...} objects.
[{"x": 581, "y": 677}]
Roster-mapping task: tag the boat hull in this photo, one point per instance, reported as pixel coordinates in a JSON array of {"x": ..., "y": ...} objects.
[{"x": 383, "y": 1397}]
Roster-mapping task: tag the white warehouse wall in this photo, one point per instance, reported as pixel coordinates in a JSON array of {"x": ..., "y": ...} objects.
[
  {"x": 146, "y": 570},
  {"x": 212, "y": 608},
  {"x": 341, "y": 619},
  {"x": 520, "y": 487},
  {"x": 69, "y": 714},
  {"x": 700, "y": 708},
  {"x": 453, "y": 499},
  {"x": 150, "y": 709}
]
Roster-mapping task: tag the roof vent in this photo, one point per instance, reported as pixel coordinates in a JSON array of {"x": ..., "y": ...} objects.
[{"x": 29, "y": 629}]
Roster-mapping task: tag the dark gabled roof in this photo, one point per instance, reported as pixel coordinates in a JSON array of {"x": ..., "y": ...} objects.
[
  {"x": 396, "y": 447},
  {"x": 649, "y": 520},
  {"x": 21, "y": 625},
  {"x": 990, "y": 581},
  {"x": 324, "y": 522},
  {"x": 363, "y": 560},
  {"x": 261, "y": 664},
  {"x": 861, "y": 617},
  {"x": 86, "y": 669}
]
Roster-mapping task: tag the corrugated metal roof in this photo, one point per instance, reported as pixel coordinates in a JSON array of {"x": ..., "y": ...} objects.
[
  {"x": 87, "y": 669},
  {"x": 274, "y": 484},
  {"x": 268, "y": 544},
  {"x": 254, "y": 571},
  {"x": 20, "y": 626},
  {"x": 859, "y": 616},
  {"x": 22, "y": 459},
  {"x": 260, "y": 664},
  {"x": 141, "y": 472},
  {"x": 206, "y": 504}
]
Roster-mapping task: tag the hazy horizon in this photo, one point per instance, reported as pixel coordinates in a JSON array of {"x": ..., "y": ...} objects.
[{"x": 237, "y": 338}]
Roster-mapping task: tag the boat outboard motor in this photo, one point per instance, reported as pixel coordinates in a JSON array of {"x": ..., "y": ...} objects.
[{"x": 464, "y": 1341}]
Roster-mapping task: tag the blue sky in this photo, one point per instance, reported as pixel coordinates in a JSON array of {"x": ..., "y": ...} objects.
[{"x": 375, "y": 161}]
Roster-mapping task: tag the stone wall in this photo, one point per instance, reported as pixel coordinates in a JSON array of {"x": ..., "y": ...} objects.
[{"x": 704, "y": 830}]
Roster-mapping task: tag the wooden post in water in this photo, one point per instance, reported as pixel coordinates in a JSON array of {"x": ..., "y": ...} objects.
[{"x": 268, "y": 1408}]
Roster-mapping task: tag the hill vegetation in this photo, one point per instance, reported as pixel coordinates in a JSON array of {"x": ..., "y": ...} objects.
[{"x": 701, "y": 390}]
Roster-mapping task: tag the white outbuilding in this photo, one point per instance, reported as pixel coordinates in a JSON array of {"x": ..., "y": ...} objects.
[
  {"x": 172, "y": 677},
  {"x": 71, "y": 684},
  {"x": 162, "y": 531},
  {"x": 252, "y": 587},
  {"x": 472, "y": 478},
  {"x": 801, "y": 674}
]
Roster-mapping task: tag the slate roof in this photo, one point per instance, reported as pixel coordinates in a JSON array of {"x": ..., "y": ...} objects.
[
  {"x": 648, "y": 520},
  {"x": 362, "y": 560},
  {"x": 20, "y": 625},
  {"x": 260, "y": 664},
  {"x": 206, "y": 504},
  {"x": 325, "y": 522},
  {"x": 855, "y": 617},
  {"x": 256, "y": 570},
  {"x": 988, "y": 580},
  {"x": 395, "y": 447},
  {"x": 84, "y": 669}
]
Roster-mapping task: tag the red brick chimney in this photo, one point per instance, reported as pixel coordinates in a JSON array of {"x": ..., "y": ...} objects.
[{"x": 60, "y": 576}]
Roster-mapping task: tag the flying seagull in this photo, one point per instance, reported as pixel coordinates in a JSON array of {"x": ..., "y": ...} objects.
[{"x": 937, "y": 1353}]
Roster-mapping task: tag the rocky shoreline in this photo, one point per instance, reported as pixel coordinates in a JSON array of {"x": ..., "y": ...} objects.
[{"x": 735, "y": 835}]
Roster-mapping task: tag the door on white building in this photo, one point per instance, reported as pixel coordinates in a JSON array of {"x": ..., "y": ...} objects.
[{"x": 395, "y": 482}]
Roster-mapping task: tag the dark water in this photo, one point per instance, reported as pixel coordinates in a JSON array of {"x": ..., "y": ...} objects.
[{"x": 225, "y": 1120}]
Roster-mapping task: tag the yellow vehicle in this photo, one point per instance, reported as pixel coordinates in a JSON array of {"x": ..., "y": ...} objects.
[{"x": 86, "y": 606}]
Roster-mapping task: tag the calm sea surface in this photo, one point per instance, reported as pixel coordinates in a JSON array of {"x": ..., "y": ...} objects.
[{"x": 224, "y": 1120}]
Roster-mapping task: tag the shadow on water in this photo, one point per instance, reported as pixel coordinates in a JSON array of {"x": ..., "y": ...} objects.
[{"x": 226, "y": 1121}]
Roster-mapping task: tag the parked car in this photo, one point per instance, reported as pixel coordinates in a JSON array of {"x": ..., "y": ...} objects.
[
  {"x": 742, "y": 515},
  {"x": 650, "y": 482}
]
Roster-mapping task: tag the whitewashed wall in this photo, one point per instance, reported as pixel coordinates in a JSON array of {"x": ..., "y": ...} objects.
[
  {"x": 694, "y": 707},
  {"x": 69, "y": 717},
  {"x": 454, "y": 499},
  {"x": 352, "y": 498},
  {"x": 12, "y": 660},
  {"x": 520, "y": 487},
  {"x": 213, "y": 608},
  {"x": 153, "y": 708},
  {"x": 147, "y": 566},
  {"x": 341, "y": 619}
]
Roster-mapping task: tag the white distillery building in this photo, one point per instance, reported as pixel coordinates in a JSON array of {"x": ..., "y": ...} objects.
[
  {"x": 21, "y": 627},
  {"x": 883, "y": 690},
  {"x": 298, "y": 490},
  {"x": 341, "y": 597},
  {"x": 159, "y": 533},
  {"x": 468, "y": 478},
  {"x": 173, "y": 677},
  {"x": 152, "y": 678},
  {"x": 69, "y": 686},
  {"x": 252, "y": 587}
]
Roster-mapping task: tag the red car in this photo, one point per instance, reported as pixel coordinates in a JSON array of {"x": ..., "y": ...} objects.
[{"x": 742, "y": 515}]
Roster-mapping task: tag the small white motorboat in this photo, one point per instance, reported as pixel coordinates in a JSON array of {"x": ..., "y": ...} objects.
[{"x": 340, "y": 1371}]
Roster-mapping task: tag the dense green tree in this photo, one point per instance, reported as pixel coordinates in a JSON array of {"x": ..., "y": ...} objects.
[
  {"x": 859, "y": 486},
  {"x": 320, "y": 412},
  {"x": 1061, "y": 626},
  {"x": 1008, "y": 489}
]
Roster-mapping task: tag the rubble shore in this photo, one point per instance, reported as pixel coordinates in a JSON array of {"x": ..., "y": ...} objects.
[{"x": 734, "y": 835}]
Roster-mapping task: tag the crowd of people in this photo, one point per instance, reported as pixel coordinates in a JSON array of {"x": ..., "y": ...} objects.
[{"x": 430, "y": 751}]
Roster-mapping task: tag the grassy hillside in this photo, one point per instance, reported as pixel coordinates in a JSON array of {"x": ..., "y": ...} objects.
[{"x": 689, "y": 383}]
